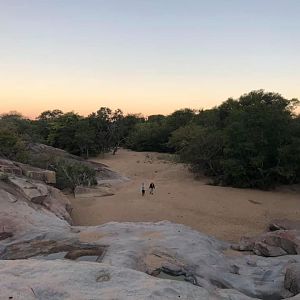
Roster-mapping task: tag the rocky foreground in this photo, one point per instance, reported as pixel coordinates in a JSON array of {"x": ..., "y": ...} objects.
[{"x": 44, "y": 257}]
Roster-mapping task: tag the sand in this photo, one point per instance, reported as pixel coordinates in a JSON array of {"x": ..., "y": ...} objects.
[{"x": 224, "y": 212}]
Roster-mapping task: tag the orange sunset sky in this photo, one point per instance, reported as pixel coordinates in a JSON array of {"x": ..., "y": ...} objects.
[{"x": 143, "y": 56}]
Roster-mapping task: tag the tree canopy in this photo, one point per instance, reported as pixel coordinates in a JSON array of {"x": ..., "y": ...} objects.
[{"x": 252, "y": 141}]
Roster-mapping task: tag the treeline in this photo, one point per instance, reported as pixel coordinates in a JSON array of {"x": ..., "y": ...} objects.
[
  {"x": 100, "y": 132},
  {"x": 253, "y": 141}
]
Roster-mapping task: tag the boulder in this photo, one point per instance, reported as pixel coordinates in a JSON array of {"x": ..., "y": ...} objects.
[
  {"x": 264, "y": 249},
  {"x": 275, "y": 243},
  {"x": 59, "y": 204},
  {"x": 292, "y": 278},
  {"x": 49, "y": 177},
  {"x": 43, "y": 175},
  {"x": 27, "y": 220},
  {"x": 284, "y": 224},
  {"x": 19, "y": 169},
  {"x": 33, "y": 191},
  {"x": 34, "y": 173},
  {"x": 7, "y": 166}
]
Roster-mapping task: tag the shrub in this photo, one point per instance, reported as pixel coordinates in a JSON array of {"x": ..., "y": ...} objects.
[
  {"x": 253, "y": 141},
  {"x": 12, "y": 146},
  {"x": 69, "y": 175},
  {"x": 4, "y": 177}
]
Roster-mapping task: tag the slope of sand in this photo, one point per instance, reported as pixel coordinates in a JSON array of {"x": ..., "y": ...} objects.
[{"x": 224, "y": 212}]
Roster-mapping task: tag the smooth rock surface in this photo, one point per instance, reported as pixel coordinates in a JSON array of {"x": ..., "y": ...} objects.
[
  {"x": 33, "y": 191},
  {"x": 27, "y": 220},
  {"x": 147, "y": 247},
  {"x": 128, "y": 254},
  {"x": 140, "y": 247},
  {"x": 34, "y": 279}
]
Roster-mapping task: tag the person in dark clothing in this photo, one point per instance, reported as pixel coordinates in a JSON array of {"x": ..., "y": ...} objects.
[
  {"x": 143, "y": 189},
  {"x": 151, "y": 188}
]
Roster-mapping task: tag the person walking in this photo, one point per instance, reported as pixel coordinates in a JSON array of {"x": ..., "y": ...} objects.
[
  {"x": 151, "y": 188},
  {"x": 143, "y": 189}
]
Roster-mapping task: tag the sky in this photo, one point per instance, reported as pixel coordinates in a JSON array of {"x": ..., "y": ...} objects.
[{"x": 147, "y": 56}]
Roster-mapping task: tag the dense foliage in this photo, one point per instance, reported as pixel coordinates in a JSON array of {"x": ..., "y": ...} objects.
[
  {"x": 249, "y": 142},
  {"x": 12, "y": 141},
  {"x": 253, "y": 141},
  {"x": 100, "y": 132},
  {"x": 70, "y": 175},
  {"x": 16, "y": 133}
]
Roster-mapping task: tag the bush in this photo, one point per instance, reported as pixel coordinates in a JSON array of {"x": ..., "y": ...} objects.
[
  {"x": 151, "y": 136},
  {"x": 4, "y": 177},
  {"x": 12, "y": 146},
  {"x": 250, "y": 142},
  {"x": 200, "y": 147},
  {"x": 69, "y": 175}
]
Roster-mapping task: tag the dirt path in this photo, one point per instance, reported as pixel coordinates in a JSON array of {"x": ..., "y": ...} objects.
[{"x": 224, "y": 212}]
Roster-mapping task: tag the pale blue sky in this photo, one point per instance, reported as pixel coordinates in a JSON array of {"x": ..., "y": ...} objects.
[{"x": 146, "y": 56}]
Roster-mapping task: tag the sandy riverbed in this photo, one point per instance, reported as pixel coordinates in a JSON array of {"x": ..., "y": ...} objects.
[{"x": 224, "y": 212}]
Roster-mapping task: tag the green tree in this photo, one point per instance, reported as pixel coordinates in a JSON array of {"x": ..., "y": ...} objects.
[
  {"x": 85, "y": 136},
  {"x": 253, "y": 141},
  {"x": 12, "y": 146},
  {"x": 69, "y": 175},
  {"x": 43, "y": 123},
  {"x": 179, "y": 118},
  {"x": 62, "y": 132},
  {"x": 149, "y": 136},
  {"x": 200, "y": 147},
  {"x": 254, "y": 133},
  {"x": 101, "y": 122}
]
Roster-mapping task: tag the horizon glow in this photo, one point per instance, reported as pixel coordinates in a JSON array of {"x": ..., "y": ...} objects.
[{"x": 149, "y": 57}]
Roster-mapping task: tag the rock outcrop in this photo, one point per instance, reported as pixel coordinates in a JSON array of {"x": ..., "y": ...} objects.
[
  {"x": 22, "y": 217},
  {"x": 47, "y": 176},
  {"x": 7, "y": 166},
  {"x": 41, "y": 152},
  {"x": 42, "y": 194},
  {"x": 134, "y": 250},
  {"x": 282, "y": 240},
  {"x": 19, "y": 169},
  {"x": 277, "y": 243},
  {"x": 33, "y": 191},
  {"x": 48, "y": 280},
  {"x": 130, "y": 260}
]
